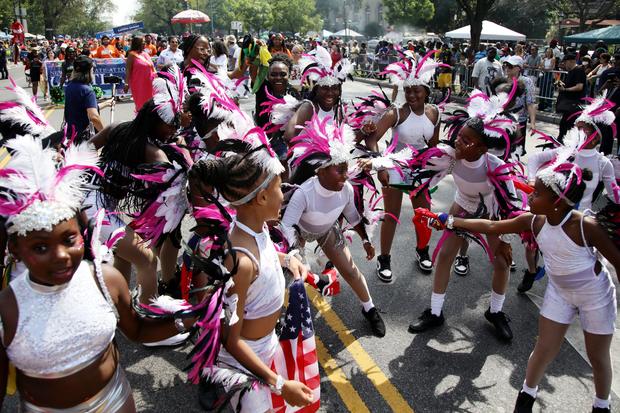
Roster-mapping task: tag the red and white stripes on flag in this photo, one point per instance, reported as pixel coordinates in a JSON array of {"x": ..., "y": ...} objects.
[{"x": 296, "y": 357}]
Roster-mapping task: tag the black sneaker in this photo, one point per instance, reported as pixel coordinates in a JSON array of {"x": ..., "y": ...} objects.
[
  {"x": 424, "y": 260},
  {"x": 601, "y": 410},
  {"x": 500, "y": 321},
  {"x": 426, "y": 321},
  {"x": 524, "y": 403},
  {"x": 384, "y": 268},
  {"x": 461, "y": 265},
  {"x": 376, "y": 322},
  {"x": 528, "y": 281},
  {"x": 513, "y": 266}
]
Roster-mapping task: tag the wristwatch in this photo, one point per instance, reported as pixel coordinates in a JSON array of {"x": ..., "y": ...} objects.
[
  {"x": 277, "y": 388},
  {"x": 450, "y": 222}
]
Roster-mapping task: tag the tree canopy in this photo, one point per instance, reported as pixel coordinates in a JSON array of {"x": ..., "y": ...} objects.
[{"x": 409, "y": 12}]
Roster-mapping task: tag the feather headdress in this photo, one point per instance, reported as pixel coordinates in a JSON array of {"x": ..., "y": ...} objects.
[
  {"x": 169, "y": 93},
  {"x": 560, "y": 173},
  {"x": 323, "y": 143},
  {"x": 242, "y": 135},
  {"x": 317, "y": 66},
  {"x": 35, "y": 195},
  {"x": 598, "y": 111},
  {"x": 23, "y": 114},
  {"x": 490, "y": 110},
  {"x": 408, "y": 72}
]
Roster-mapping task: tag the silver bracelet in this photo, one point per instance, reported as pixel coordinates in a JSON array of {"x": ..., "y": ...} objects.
[
  {"x": 287, "y": 258},
  {"x": 450, "y": 222},
  {"x": 178, "y": 323}
]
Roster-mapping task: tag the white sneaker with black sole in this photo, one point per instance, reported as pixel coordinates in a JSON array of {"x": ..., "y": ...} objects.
[
  {"x": 384, "y": 268},
  {"x": 424, "y": 260},
  {"x": 461, "y": 265}
]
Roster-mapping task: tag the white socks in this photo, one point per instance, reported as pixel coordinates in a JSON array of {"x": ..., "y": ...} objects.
[
  {"x": 497, "y": 302},
  {"x": 532, "y": 391},
  {"x": 603, "y": 404},
  {"x": 437, "y": 303},
  {"x": 368, "y": 305}
]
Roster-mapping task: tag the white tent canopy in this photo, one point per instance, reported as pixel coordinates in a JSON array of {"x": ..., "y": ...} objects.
[
  {"x": 348, "y": 33},
  {"x": 490, "y": 31}
]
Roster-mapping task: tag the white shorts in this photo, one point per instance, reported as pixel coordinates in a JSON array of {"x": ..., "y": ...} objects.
[
  {"x": 596, "y": 305},
  {"x": 395, "y": 178}
]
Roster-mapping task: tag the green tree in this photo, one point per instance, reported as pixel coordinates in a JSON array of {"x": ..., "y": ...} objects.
[
  {"x": 530, "y": 17},
  {"x": 296, "y": 16},
  {"x": 444, "y": 18},
  {"x": 157, "y": 15},
  {"x": 256, "y": 15},
  {"x": 475, "y": 12},
  {"x": 373, "y": 29},
  {"x": 585, "y": 10},
  {"x": 409, "y": 12}
]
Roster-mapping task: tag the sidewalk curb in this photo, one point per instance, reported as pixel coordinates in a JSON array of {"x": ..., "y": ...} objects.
[{"x": 542, "y": 116}]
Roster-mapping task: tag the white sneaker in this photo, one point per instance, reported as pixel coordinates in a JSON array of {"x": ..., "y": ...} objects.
[{"x": 170, "y": 341}]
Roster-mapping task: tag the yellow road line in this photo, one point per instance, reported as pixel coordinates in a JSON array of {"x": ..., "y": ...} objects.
[
  {"x": 349, "y": 396},
  {"x": 376, "y": 376},
  {"x": 48, "y": 112}
]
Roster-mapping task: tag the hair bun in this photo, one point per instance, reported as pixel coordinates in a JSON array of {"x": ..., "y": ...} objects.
[{"x": 586, "y": 174}]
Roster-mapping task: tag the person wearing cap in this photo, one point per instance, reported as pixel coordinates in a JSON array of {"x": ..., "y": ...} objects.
[
  {"x": 485, "y": 70},
  {"x": 233, "y": 52},
  {"x": 526, "y": 103},
  {"x": 106, "y": 50},
  {"x": 571, "y": 93},
  {"x": 81, "y": 109}
]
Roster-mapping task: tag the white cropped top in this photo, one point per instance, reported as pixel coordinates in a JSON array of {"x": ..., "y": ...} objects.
[
  {"x": 416, "y": 130},
  {"x": 265, "y": 295},
  {"x": 562, "y": 255},
  {"x": 60, "y": 329},
  {"x": 316, "y": 209}
]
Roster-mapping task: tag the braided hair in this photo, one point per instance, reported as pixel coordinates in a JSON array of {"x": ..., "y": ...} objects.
[{"x": 232, "y": 176}]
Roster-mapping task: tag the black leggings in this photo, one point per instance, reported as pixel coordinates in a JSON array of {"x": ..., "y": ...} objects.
[{"x": 4, "y": 73}]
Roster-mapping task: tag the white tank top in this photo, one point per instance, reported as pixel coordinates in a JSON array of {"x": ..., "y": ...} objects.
[
  {"x": 60, "y": 329},
  {"x": 265, "y": 295},
  {"x": 416, "y": 130},
  {"x": 562, "y": 255}
]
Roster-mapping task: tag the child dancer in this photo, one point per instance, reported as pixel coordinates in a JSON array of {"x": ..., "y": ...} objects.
[
  {"x": 592, "y": 120},
  {"x": 415, "y": 124},
  {"x": 316, "y": 206},
  {"x": 482, "y": 189},
  {"x": 579, "y": 284},
  {"x": 58, "y": 320}
]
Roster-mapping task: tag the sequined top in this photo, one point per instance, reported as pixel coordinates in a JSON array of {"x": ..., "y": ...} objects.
[{"x": 60, "y": 329}]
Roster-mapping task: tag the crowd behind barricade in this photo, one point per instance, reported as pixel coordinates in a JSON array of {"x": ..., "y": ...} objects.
[{"x": 278, "y": 193}]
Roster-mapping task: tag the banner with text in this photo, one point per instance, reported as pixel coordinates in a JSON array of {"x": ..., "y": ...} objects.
[{"x": 103, "y": 68}]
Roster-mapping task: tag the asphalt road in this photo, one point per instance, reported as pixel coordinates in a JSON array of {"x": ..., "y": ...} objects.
[{"x": 459, "y": 367}]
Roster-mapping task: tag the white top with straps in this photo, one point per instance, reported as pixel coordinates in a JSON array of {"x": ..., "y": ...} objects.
[
  {"x": 265, "y": 295},
  {"x": 60, "y": 329},
  {"x": 322, "y": 114},
  {"x": 562, "y": 255},
  {"x": 416, "y": 130}
]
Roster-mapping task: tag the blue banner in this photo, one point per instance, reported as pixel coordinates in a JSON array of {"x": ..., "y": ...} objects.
[
  {"x": 128, "y": 27},
  {"x": 103, "y": 67},
  {"x": 108, "y": 33}
]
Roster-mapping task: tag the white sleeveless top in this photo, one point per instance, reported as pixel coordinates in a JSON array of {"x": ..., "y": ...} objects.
[
  {"x": 416, "y": 130},
  {"x": 60, "y": 329},
  {"x": 265, "y": 295},
  {"x": 562, "y": 255}
]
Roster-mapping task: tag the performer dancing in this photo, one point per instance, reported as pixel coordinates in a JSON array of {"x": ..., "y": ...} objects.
[
  {"x": 594, "y": 120},
  {"x": 58, "y": 320},
  {"x": 579, "y": 284},
  {"x": 415, "y": 124},
  {"x": 316, "y": 206},
  {"x": 481, "y": 190},
  {"x": 250, "y": 182}
]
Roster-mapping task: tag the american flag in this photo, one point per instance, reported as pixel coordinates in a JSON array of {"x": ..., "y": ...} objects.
[{"x": 296, "y": 357}]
